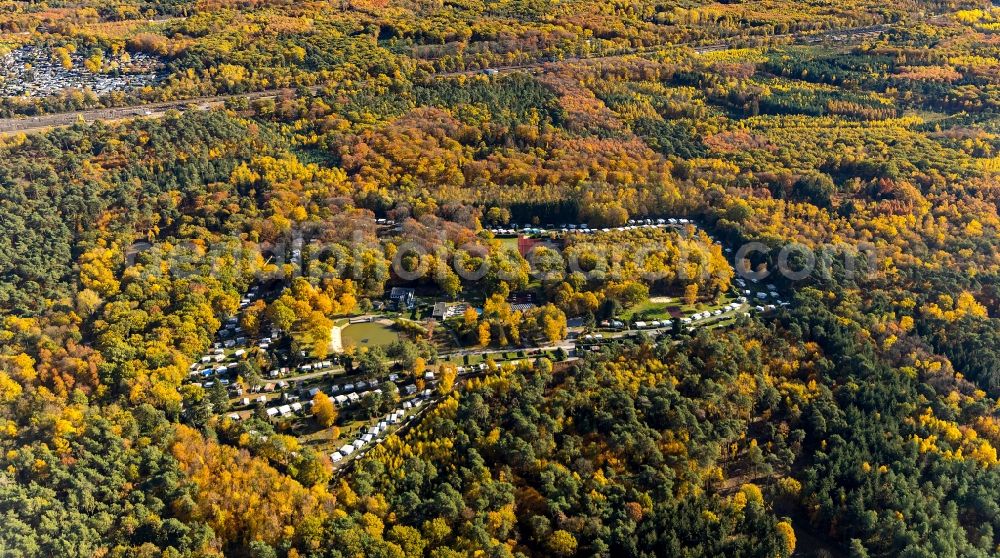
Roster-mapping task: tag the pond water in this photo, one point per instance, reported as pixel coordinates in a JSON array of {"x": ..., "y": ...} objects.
[{"x": 368, "y": 335}]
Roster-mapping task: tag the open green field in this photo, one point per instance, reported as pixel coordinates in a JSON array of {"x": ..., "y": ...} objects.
[
  {"x": 658, "y": 309},
  {"x": 650, "y": 310}
]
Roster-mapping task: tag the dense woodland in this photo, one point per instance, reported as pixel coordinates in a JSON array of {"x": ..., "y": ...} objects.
[{"x": 861, "y": 420}]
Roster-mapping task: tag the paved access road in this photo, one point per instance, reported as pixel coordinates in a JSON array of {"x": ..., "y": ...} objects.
[{"x": 155, "y": 110}]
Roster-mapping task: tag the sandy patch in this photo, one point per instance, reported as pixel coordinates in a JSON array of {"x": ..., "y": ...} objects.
[{"x": 336, "y": 343}]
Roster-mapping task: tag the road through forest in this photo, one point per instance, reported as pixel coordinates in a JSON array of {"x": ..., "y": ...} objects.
[{"x": 154, "y": 110}]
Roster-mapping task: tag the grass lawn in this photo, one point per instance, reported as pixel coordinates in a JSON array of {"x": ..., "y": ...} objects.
[
  {"x": 460, "y": 360},
  {"x": 324, "y": 441},
  {"x": 649, "y": 310},
  {"x": 509, "y": 243},
  {"x": 320, "y": 439},
  {"x": 703, "y": 306}
]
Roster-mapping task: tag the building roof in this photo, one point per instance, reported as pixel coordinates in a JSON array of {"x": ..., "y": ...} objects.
[{"x": 400, "y": 292}]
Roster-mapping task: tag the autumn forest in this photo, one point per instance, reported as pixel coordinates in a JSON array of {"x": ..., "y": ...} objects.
[{"x": 499, "y": 278}]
